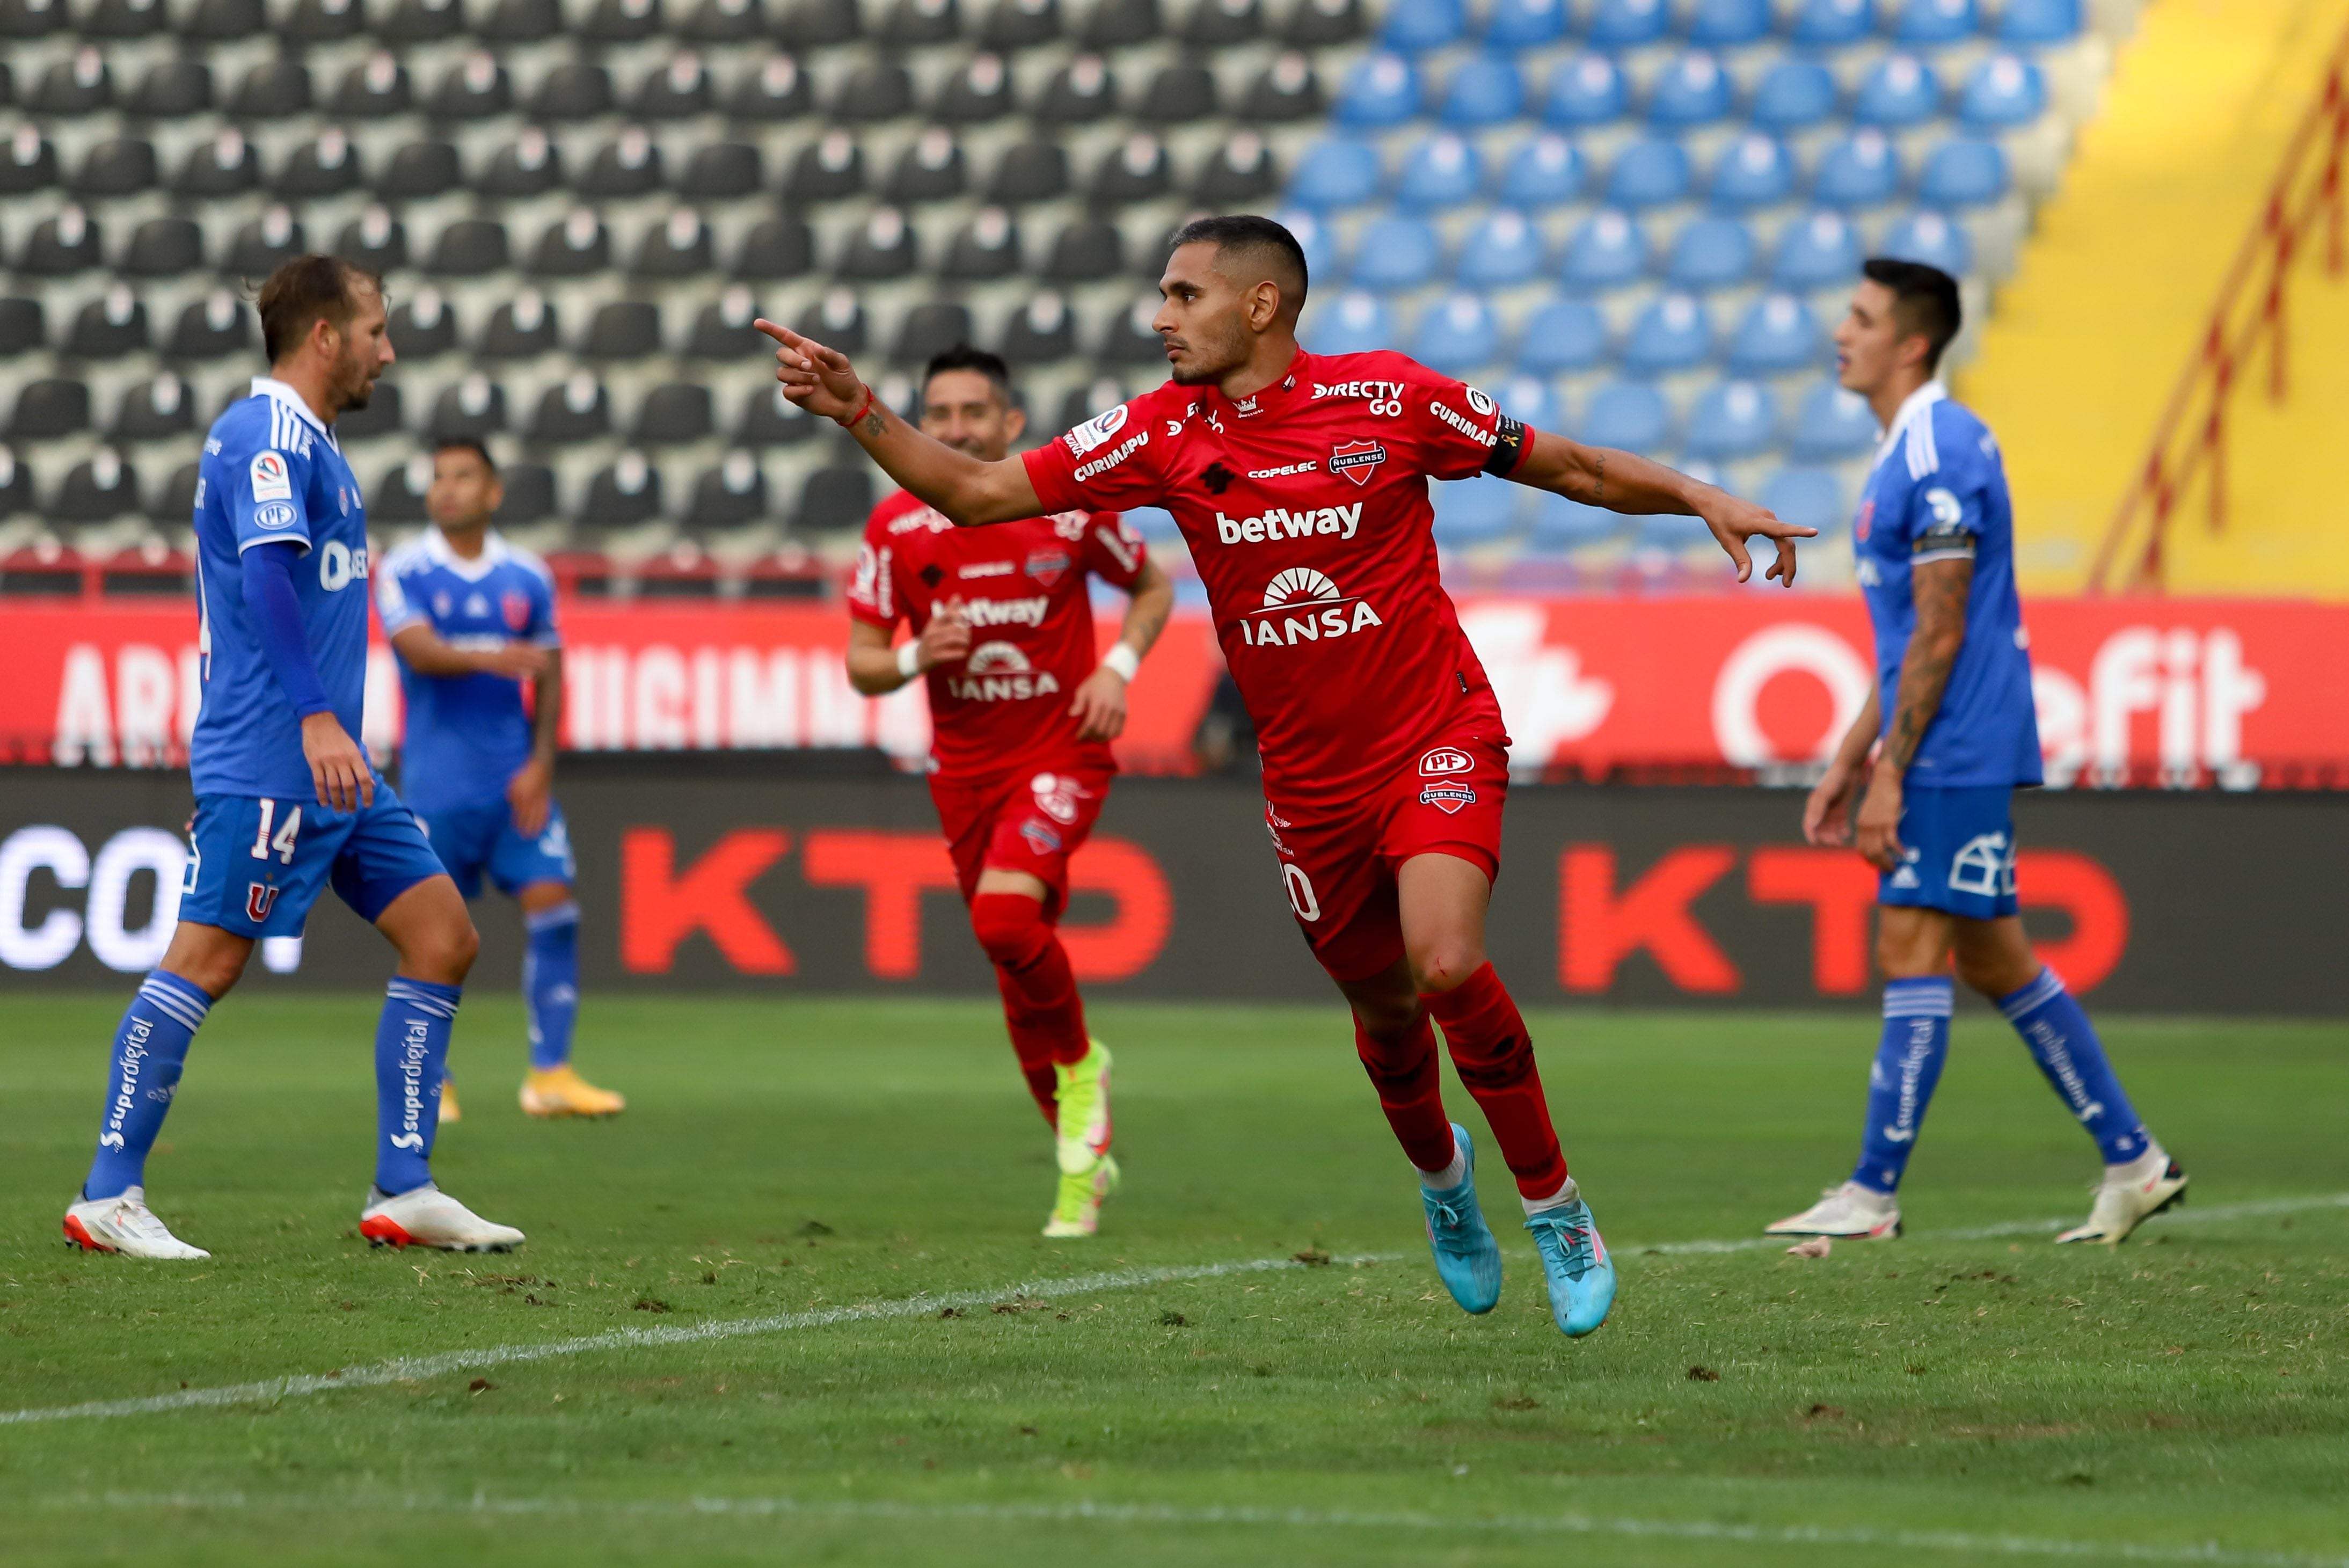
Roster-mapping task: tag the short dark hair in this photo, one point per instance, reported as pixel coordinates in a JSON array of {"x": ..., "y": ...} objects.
[
  {"x": 306, "y": 291},
  {"x": 963, "y": 357},
  {"x": 473, "y": 444},
  {"x": 1924, "y": 302},
  {"x": 1259, "y": 239}
]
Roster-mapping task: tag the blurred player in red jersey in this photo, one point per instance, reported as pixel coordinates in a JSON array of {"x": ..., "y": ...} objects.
[
  {"x": 1299, "y": 483},
  {"x": 1023, "y": 716}
]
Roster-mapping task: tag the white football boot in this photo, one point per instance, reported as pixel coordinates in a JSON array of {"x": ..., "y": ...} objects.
[
  {"x": 1848, "y": 1213},
  {"x": 428, "y": 1217},
  {"x": 124, "y": 1224},
  {"x": 2128, "y": 1196}
]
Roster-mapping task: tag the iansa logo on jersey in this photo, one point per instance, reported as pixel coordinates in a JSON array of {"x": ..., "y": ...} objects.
[
  {"x": 1302, "y": 605},
  {"x": 1357, "y": 460},
  {"x": 1445, "y": 760},
  {"x": 999, "y": 672}
]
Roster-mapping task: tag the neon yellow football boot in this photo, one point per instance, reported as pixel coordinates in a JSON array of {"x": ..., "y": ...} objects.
[
  {"x": 1078, "y": 1211},
  {"x": 562, "y": 1092},
  {"x": 1088, "y": 1174}
]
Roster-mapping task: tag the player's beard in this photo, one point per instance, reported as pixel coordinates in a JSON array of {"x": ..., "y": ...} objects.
[
  {"x": 1211, "y": 359},
  {"x": 361, "y": 385}
]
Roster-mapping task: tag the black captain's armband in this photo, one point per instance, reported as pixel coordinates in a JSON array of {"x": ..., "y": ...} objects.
[{"x": 1508, "y": 446}]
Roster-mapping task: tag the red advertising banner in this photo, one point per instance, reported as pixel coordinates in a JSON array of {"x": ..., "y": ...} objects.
[{"x": 2233, "y": 692}]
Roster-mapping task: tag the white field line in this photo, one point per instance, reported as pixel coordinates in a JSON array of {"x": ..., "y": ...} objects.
[
  {"x": 415, "y": 1369},
  {"x": 480, "y": 1503}
]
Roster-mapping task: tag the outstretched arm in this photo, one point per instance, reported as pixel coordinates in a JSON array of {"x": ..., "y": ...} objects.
[
  {"x": 1942, "y": 589},
  {"x": 962, "y": 487},
  {"x": 1624, "y": 482}
]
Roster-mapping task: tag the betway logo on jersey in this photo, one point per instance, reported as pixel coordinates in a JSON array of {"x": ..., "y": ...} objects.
[
  {"x": 1280, "y": 523},
  {"x": 999, "y": 672},
  {"x": 1302, "y": 605},
  {"x": 1006, "y": 612}
]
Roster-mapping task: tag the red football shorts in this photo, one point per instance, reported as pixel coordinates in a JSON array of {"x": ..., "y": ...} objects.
[
  {"x": 1029, "y": 821},
  {"x": 1340, "y": 863}
]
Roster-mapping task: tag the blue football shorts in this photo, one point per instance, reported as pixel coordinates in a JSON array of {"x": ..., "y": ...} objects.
[
  {"x": 1961, "y": 853},
  {"x": 481, "y": 838},
  {"x": 255, "y": 865}
]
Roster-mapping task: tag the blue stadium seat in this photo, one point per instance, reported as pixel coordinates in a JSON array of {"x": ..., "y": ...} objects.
[
  {"x": 1560, "y": 524},
  {"x": 1794, "y": 95},
  {"x": 1382, "y": 89},
  {"x": 1711, "y": 253},
  {"x": 1542, "y": 171},
  {"x": 1632, "y": 415},
  {"x": 1858, "y": 171},
  {"x": 1154, "y": 523},
  {"x": 1778, "y": 335},
  {"x": 1627, "y": 24},
  {"x": 1474, "y": 511},
  {"x": 1442, "y": 171},
  {"x": 1821, "y": 251},
  {"x": 2033, "y": 22},
  {"x": 1314, "y": 238},
  {"x": 1501, "y": 251},
  {"x": 1901, "y": 90},
  {"x": 1354, "y": 323},
  {"x": 1832, "y": 24},
  {"x": 1727, "y": 24},
  {"x": 1649, "y": 172},
  {"x": 1531, "y": 400},
  {"x": 1564, "y": 336},
  {"x": 1831, "y": 423},
  {"x": 1524, "y": 24},
  {"x": 1607, "y": 252},
  {"x": 1755, "y": 170},
  {"x": 1807, "y": 497},
  {"x": 1418, "y": 25},
  {"x": 1673, "y": 333},
  {"x": 1486, "y": 91},
  {"x": 1457, "y": 333},
  {"x": 1930, "y": 24},
  {"x": 1731, "y": 420},
  {"x": 1395, "y": 253},
  {"x": 1586, "y": 91},
  {"x": 1928, "y": 237},
  {"x": 1964, "y": 171},
  {"x": 2004, "y": 89},
  {"x": 1336, "y": 171},
  {"x": 1694, "y": 91}
]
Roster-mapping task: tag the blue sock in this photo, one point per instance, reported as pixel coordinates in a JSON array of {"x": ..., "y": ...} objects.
[
  {"x": 150, "y": 1047},
  {"x": 2065, "y": 1044},
  {"x": 1900, "y": 1082},
  {"x": 550, "y": 984},
  {"x": 411, "y": 1050}
]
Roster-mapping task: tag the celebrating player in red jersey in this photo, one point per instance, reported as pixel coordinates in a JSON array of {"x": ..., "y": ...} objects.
[
  {"x": 1022, "y": 717},
  {"x": 1299, "y": 483}
]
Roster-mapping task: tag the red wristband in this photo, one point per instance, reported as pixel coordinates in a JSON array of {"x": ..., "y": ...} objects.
[{"x": 853, "y": 421}]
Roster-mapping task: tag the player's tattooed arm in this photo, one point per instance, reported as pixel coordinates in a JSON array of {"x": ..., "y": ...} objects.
[
  {"x": 1153, "y": 601},
  {"x": 966, "y": 488},
  {"x": 1625, "y": 481},
  {"x": 1942, "y": 589}
]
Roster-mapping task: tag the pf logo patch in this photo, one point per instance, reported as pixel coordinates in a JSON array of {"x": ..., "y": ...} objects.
[
  {"x": 1444, "y": 760},
  {"x": 1447, "y": 798},
  {"x": 1357, "y": 460},
  {"x": 259, "y": 899}
]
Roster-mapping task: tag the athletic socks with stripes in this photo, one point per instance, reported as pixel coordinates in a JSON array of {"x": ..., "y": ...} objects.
[
  {"x": 411, "y": 1052},
  {"x": 2065, "y": 1044},
  {"x": 1909, "y": 1057},
  {"x": 151, "y": 1048},
  {"x": 550, "y": 982}
]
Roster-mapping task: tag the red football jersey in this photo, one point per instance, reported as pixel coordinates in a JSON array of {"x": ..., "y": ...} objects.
[
  {"x": 1307, "y": 513},
  {"x": 1022, "y": 588}
]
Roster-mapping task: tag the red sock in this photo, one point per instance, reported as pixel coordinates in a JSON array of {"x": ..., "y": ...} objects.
[
  {"x": 1495, "y": 1057},
  {"x": 1410, "y": 1091},
  {"x": 1042, "y": 1008}
]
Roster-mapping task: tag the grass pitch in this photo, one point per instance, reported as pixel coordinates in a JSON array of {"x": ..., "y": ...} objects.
[{"x": 1953, "y": 1397}]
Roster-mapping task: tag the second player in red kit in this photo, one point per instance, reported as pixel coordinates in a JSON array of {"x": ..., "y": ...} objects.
[
  {"x": 1022, "y": 712},
  {"x": 1299, "y": 483}
]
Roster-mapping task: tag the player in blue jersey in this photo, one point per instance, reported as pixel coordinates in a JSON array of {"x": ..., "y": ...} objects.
[
  {"x": 1954, "y": 735},
  {"x": 472, "y": 620},
  {"x": 287, "y": 802}
]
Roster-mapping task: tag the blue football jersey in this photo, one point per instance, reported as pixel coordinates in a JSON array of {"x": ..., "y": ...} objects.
[
  {"x": 1938, "y": 491},
  {"x": 272, "y": 473},
  {"x": 466, "y": 734}
]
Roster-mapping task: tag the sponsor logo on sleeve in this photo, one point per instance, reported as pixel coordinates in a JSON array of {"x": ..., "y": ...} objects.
[
  {"x": 1095, "y": 431},
  {"x": 1357, "y": 460},
  {"x": 1447, "y": 798},
  {"x": 1478, "y": 401},
  {"x": 271, "y": 479},
  {"x": 271, "y": 515},
  {"x": 1462, "y": 422},
  {"x": 1445, "y": 760},
  {"x": 1115, "y": 455}
]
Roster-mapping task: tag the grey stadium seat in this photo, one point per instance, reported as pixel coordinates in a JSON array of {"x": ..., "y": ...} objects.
[
  {"x": 874, "y": 91},
  {"x": 175, "y": 504},
  {"x": 817, "y": 24},
  {"x": 24, "y": 327},
  {"x": 623, "y": 494},
  {"x": 274, "y": 90},
  {"x": 423, "y": 326},
  {"x": 375, "y": 239},
  {"x": 575, "y": 409},
  {"x": 776, "y": 89},
  {"x": 628, "y": 165},
  {"x": 398, "y": 495},
  {"x": 28, "y": 162},
  {"x": 573, "y": 90},
  {"x": 16, "y": 495},
  {"x": 260, "y": 245},
  {"x": 723, "y": 171},
  {"x": 227, "y": 165},
  {"x": 112, "y": 325},
  {"x": 776, "y": 249},
  {"x": 217, "y": 327},
  {"x": 1181, "y": 94},
  {"x": 1240, "y": 174},
  {"x": 384, "y": 414},
  {"x": 1131, "y": 341},
  {"x": 48, "y": 408},
  {"x": 1078, "y": 93},
  {"x": 987, "y": 249},
  {"x": 163, "y": 247},
  {"x": 79, "y": 84},
  {"x": 674, "y": 413},
  {"x": 679, "y": 246},
  {"x": 576, "y": 247},
  {"x": 420, "y": 170},
  {"x": 834, "y": 499},
  {"x": 529, "y": 494},
  {"x": 1021, "y": 24},
  {"x": 225, "y": 21},
  {"x": 1317, "y": 24},
  {"x": 522, "y": 21},
  {"x": 1219, "y": 24},
  {"x": 171, "y": 89},
  {"x": 1046, "y": 330},
  {"x": 1120, "y": 24},
  {"x": 839, "y": 321},
  {"x": 721, "y": 329},
  {"x": 883, "y": 246},
  {"x": 829, "y": 169},
  {"x": 61, "y": 246},
  {"x": 726, "y": 21},
  {"x": 729, "y": 495},
  {"x": 160, "y": 409},
  {"x": 623, "y": 22},
  {"x": 329, "y": 166},
  {"x": 1138, "y": 170},
  {"x": 913, "y": 24},
  {"x": 931, "y": 170},
  {"x": 624, "y": 329},
  {"x": 422, "y": 22},
  {"x": 475, "y": 87},
  {"x": 522, "y": 328},
  {"x": 324, "y": 21},
  {"x": 530, "y": 165},
  {"x": 474, "y": 406},
  {"x": 125, "y": 19},
  {"x": 1029, "y": 171},
  {"x": 119, "y": 166},
  {"x": 680, "y": 90},
  {"x": 931, "y": 329},
  {"x": 99, "y": 489},
  {"x": 471, "y": 247},
  {"x": 1086, "y": 251},
  {"x": 376, "y": 87},
  {"x": 772, "y": 419},
  {"x": 979, "y": 92}
]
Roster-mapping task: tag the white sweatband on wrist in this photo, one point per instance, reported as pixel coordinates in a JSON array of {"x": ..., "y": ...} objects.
[
  {"x": 909, "y": 658},
  {"x": 1122, "y": 659}
]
